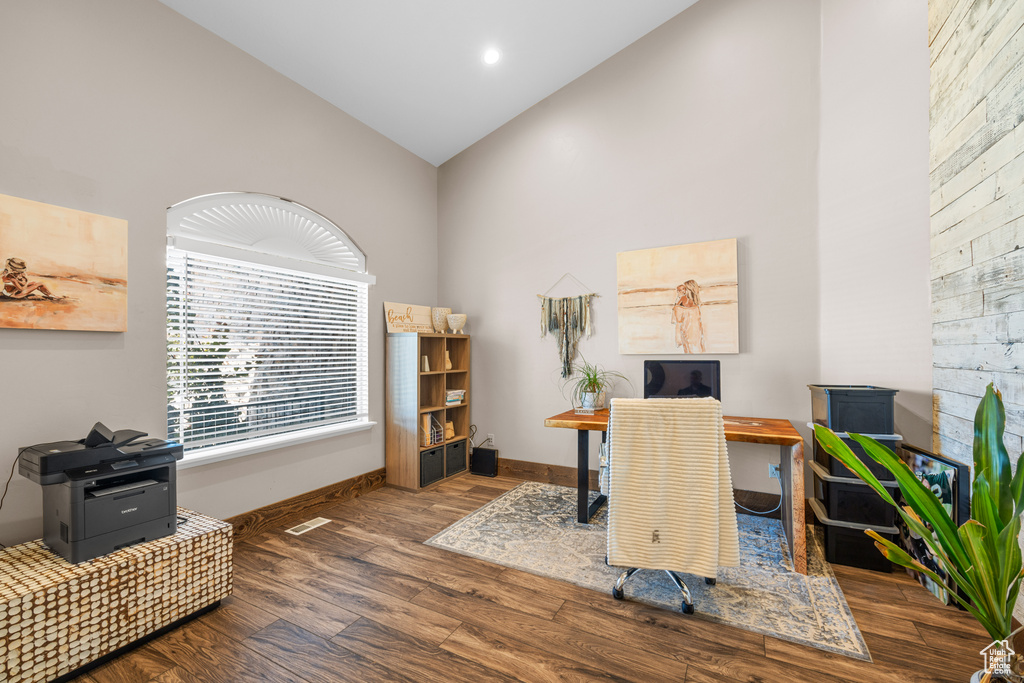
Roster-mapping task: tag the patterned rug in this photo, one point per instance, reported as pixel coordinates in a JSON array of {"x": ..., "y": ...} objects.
[{"x": 533, "y": 528}]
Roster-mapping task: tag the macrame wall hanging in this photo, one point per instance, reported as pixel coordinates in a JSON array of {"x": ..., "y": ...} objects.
[{"x": 569, "y": 318}]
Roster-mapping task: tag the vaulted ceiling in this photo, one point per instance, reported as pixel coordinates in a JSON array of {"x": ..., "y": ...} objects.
[{"x": 413, "y": 70}]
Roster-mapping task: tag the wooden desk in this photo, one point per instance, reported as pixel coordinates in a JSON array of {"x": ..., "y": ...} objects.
[{"x": 769, "y": 431}]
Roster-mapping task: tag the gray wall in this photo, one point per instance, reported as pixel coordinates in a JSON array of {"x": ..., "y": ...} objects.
[
  {"x": 722, "y": 123},
  {"x": 717, "y": 124},
  {"x": 873, "y": 204},
  {"x": 122, "y": 108}
]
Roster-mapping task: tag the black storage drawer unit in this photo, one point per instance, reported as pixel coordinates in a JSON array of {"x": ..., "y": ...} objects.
[
  {"x": 847, "y": 544},
  {"x": 455, "y": 458},
  {"x": 851, "y": 500},
  {"x": 859, "y": 409},
  {"x": 431, "y": 465},
  {"x": 854, "y": 548},
  {"x": 838, "y": 469}
]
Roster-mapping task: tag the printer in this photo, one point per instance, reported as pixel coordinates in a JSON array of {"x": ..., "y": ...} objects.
[{"x": 105, "y": 492}]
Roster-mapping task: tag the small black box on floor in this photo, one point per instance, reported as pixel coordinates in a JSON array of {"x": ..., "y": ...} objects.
[
  {"x": 859, "y": 409},
  {"x": 851, "y": 500},
  {"x": 484, "y": 461},
  {"x": 838, "y": 469}
]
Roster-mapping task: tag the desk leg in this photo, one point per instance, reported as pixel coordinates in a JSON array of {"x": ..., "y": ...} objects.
[
  {"x": 791, "y": 475},
  {"x": 584, "y": 511}
]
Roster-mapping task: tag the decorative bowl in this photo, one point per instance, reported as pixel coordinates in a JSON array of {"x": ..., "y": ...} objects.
[
  {"x": 439, "y": 318},
  {"x": 457, "y": 321}
]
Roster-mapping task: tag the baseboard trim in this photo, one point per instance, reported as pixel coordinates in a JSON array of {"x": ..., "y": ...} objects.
[
  {"x": 250, "y": 524},
  {"x": 535, "y": 471}
]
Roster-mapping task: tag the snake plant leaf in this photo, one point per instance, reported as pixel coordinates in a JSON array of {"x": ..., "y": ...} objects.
[
  {"x": 1002, "y": 538},
  {"x": 918, "y": 496},
  {"x": 989, "y": 599},
  {"x": 1017, "y": 489},
  {"x": 983, "y": 507},
  {"x": 894, "y": 553},
  {"x": 1008, "y": 555},
  {"x": 1015, "y": 589},
  {"x": 990, "y": 457},
  {"x": 835, "y": 447},
  {"x": 956, "y": 570}
]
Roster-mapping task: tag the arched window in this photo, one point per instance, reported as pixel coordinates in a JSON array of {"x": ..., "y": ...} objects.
[{"x": 266, "y": 325}]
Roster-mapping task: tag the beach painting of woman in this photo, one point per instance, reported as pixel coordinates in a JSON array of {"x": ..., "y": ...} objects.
[
  {"x": 679, "y": 299},
  {"x": 61, "y": 269}
]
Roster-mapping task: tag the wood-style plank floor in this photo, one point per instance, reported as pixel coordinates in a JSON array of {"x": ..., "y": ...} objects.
[{"x": 362, "y": 599}]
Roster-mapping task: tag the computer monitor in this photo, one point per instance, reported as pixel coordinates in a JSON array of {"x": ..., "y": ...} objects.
[{"x": 682, "y": 378}]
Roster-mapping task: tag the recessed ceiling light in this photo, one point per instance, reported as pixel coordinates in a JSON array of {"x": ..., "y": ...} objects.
[{"x": 491, "y": 56}]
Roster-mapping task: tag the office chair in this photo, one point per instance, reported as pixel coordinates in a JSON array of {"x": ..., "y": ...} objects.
[{"x": 670, "y": 501}]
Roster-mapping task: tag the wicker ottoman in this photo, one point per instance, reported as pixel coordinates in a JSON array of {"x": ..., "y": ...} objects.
[{"x": 56, "y": 617}]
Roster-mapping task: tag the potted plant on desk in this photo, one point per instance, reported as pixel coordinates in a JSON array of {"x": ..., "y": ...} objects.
[
  {"x": 589, "y": 383},
  {"x": 983, "y": 557}
]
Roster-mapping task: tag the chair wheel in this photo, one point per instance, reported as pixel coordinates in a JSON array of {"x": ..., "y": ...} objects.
[
  {"x": 687, "y": 609},
  {"x": 710, "y": 581},
  {"x": 617, "y": 593}
]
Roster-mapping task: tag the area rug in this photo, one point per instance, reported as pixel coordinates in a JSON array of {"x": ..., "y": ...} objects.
[{"x": 533, "y": 528}]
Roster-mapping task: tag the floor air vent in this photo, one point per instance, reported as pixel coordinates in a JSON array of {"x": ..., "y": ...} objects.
[{"x": 307, "y": 526}]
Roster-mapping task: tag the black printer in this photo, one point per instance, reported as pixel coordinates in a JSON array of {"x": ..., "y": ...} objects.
[{"x": 105, "y": 492}]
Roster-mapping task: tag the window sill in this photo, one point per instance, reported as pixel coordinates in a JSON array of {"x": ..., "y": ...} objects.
[{"x": 212, "y": 454}]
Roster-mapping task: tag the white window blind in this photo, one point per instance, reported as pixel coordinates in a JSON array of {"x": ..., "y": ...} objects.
[{"x": 255, "y": 350}]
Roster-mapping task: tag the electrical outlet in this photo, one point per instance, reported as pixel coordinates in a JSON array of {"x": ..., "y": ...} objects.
[
  {"x": 773, "y": 471},
  {"x": 490, "y": 440}
]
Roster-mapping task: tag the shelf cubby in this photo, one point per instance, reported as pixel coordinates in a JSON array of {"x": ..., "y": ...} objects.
[{"x": 414, "y": 394}]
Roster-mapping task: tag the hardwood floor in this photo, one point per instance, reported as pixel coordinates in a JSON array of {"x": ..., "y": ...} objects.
[{"x": 362, "y": 599}]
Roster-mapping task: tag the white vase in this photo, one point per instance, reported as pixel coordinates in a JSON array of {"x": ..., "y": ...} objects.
[
  {"x": 590, "y": 400},
  {"x": 439, "y": 318},
  {"x": 457, "y": 321}
]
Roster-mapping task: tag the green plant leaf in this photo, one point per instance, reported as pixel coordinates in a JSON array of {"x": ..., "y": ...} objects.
[
  {"x": 918, "y": 496},
  {"x": 588, "y": 378},
  {"x": 1017, "y": 489},
  {"x": 838, "y": 449},
  {"x": 1010, "y": 563},
  {"x": 1014, "y": 589},
  {"x": 990, "y": 599},
  {"x": 990, "y": 458},
  {"x": 957, "y": 571},
  {"x": 894, "y": 553},
  {"x": 983, "y": 508}
]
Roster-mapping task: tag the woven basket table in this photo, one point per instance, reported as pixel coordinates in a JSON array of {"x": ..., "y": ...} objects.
[{"x": 56, "y": 617}]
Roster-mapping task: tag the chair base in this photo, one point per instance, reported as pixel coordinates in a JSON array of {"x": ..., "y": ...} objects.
[{"x": 687, "y": 607}]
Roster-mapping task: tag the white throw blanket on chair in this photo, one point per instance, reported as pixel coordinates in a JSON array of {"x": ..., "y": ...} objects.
[{"x": 670, "y": 500}]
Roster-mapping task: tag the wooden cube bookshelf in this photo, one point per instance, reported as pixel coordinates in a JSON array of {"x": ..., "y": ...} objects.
[{"x": 416, "y": 392}]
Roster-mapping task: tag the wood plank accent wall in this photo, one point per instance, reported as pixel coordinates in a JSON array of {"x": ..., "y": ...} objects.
[
  {"x": 251, "y": 524},
  {"x": 977, "y": 215}
]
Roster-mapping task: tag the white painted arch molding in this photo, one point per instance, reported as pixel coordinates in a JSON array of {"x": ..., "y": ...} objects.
[{"x": 261, "y": 228}]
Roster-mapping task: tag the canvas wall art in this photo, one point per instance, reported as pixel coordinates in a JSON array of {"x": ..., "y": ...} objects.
[
  {"x": 62, "y": 269},
  {"x": 681, "y": 299}
]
